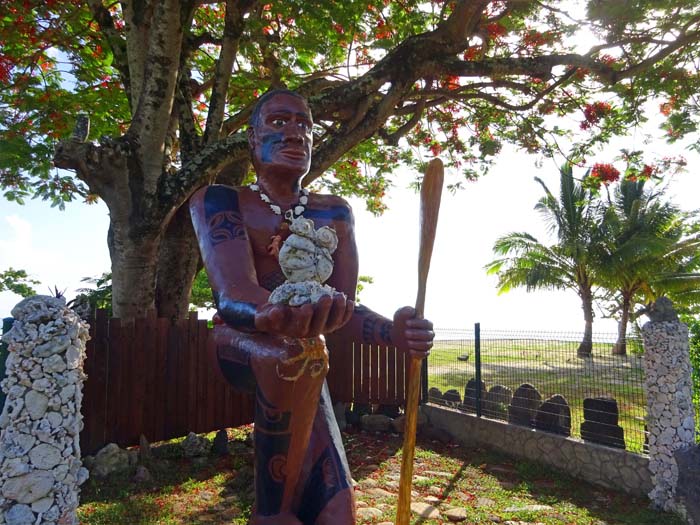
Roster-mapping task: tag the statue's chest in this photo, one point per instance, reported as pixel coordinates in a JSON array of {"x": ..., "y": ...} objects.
[{"x": 267, "y": 236}]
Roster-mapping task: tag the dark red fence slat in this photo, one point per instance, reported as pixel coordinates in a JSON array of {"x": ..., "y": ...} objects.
[
  {"x": 95, "y": 389},
  {"x": 340, "y": 377},
  {"x": 383, "y": 394},
  {"x": 373, "y": 373},
  {"x": 365, "y": 373},
  {"x": 172, "y": 386},
  {"x": 401, "y": 377},
  {"x": 152, "y": 387},
  {"x": 202, "y": 407},
  {"x": 391, "y": 374},
  {"x": 357, "y": 373},
  {"x": 216, "y": 393},
  {"x": 161, "y": 378}
]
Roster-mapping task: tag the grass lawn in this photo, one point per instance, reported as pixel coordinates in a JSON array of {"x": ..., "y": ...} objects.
[
  {"x": 552, "y": 367},
  {"x": 486, "y": 486}
]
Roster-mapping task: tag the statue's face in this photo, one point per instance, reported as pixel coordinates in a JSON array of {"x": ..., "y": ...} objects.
[{"x": 281, "y": 138}]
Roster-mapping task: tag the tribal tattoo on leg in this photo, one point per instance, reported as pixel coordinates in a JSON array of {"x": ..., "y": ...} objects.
[{"x": 272, "y": 438}]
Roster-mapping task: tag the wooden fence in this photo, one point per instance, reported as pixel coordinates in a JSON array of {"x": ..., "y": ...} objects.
[{"x": 161, "y": 379}]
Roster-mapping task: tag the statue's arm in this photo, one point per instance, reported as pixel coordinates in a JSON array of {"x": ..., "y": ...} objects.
[
  {"x": 227, "y": 254},
  {"x": 365, "y": 325},
  {"x": 404, "y": 331}
]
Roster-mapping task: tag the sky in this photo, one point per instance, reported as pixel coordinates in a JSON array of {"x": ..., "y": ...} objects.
[{"x": 59, "y": 248}]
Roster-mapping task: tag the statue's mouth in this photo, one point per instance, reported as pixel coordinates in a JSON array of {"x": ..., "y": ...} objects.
[{"x": 294, "y": 152}]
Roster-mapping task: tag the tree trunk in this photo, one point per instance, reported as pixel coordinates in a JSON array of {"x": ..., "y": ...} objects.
[
  {"x": 134, "y": 264},
  {"x": 620, "y": 347},
  {"x": 586, "y": 347},
  {"x": 178, "y": 263}
]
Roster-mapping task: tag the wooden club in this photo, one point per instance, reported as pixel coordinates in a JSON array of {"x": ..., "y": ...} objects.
[{"x": 430, "y": 194}]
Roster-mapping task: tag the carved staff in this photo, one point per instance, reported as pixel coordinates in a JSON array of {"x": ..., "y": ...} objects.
[{"x": 430, "y": 193}]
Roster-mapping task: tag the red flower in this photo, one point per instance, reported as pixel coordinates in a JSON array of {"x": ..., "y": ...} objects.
[
  {"x": 435, "y": 149},
  {"x": 607, "y": 60},
  {"x": 647, "y": 171},
  {"x": 606, "y": 173},
  {"x": 667, "y": 107},
  {"x": 472, "y": 53},
  {"x": 593, "y": 113},
  {"x": 496, "y": 30},
  {"x": 450, "y": 82}
]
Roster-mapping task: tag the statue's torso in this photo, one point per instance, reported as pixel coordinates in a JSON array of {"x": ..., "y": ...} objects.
[{"x": 262, "y": 225}]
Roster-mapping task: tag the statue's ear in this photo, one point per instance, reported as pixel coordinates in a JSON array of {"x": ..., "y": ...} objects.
[{"x": 251, "y": 137}]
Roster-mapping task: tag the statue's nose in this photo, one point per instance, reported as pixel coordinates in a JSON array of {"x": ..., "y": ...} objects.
[{"x": 293, "y": 135}]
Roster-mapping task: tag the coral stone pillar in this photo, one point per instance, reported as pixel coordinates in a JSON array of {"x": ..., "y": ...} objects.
[
  {"x": 668, "y": 386},
  {"x": 40, "y": 467}
]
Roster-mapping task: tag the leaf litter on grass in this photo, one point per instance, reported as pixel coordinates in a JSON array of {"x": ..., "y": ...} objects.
[{"x": 451, "y": 482}]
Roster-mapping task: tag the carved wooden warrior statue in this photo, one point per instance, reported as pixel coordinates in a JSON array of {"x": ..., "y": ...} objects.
[{"x": 282, "y": 263}]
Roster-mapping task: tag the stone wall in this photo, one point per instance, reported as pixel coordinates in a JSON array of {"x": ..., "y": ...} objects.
[
  {"x": 607, "y": 467},
  {"x": 40, "y": 467},
  {"x": 668, "y": 386}
]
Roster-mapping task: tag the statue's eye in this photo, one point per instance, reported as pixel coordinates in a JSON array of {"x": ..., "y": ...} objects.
[{"x": 278, "y": 122}]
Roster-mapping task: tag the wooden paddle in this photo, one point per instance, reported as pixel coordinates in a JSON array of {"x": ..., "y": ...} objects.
[{"x": 430, "y": 194}]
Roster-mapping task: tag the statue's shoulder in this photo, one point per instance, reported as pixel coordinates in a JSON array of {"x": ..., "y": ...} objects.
[
  {"x": 330, "y": 206},
  {"x": 217, "y": 189},
  {"x": 215, "y": 196}
]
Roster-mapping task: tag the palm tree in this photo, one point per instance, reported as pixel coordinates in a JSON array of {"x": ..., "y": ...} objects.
[
  {"x": 644, "y": 253},
  {"x": 567, "y": 264}
]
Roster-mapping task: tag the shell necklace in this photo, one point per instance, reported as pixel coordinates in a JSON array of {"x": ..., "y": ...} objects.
[{"x": 292, "y": 213}]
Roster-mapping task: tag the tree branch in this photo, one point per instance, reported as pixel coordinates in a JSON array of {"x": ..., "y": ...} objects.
[
  {"x": 150, "y": 122},
  {"x": 530, "y": 66},
  {"x": 137, "y": 19},
  {"x": 645, "y": 64},
  {"x": 189, "y": 139},
  {"x": 174, "y": 190},
  {"x": 462, "y": 22},
  {"x": 116, "y": 43},
  {"x": 233, "y": 28},
  {"x": 393, "y": 138}
]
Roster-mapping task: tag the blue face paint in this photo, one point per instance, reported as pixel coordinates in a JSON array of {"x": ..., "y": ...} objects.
[{"x": 269, "y": 140}]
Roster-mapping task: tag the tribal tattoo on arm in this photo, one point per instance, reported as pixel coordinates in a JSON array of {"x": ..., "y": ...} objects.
[
  {"x": 376, "y": 329},
  {"x": 226, "y": 226},
  {"x": 223, "y": 215}
]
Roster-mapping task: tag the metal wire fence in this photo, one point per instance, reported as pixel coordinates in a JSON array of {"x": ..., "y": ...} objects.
[{"x": 535, "y": 379}]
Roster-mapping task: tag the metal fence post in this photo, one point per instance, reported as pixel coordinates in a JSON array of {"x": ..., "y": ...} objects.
[{"x": 477, "y": 365}]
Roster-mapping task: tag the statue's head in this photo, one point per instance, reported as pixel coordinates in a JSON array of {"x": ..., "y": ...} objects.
[{"x": 279, "y": 135}]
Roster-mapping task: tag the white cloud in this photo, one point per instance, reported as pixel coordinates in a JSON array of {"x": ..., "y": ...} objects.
[{"x": 16, "y": 240}]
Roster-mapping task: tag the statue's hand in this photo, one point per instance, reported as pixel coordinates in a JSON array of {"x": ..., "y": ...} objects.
[
  {"x": 412, "y": 334},
  {"x": 309, "y": 320}
]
